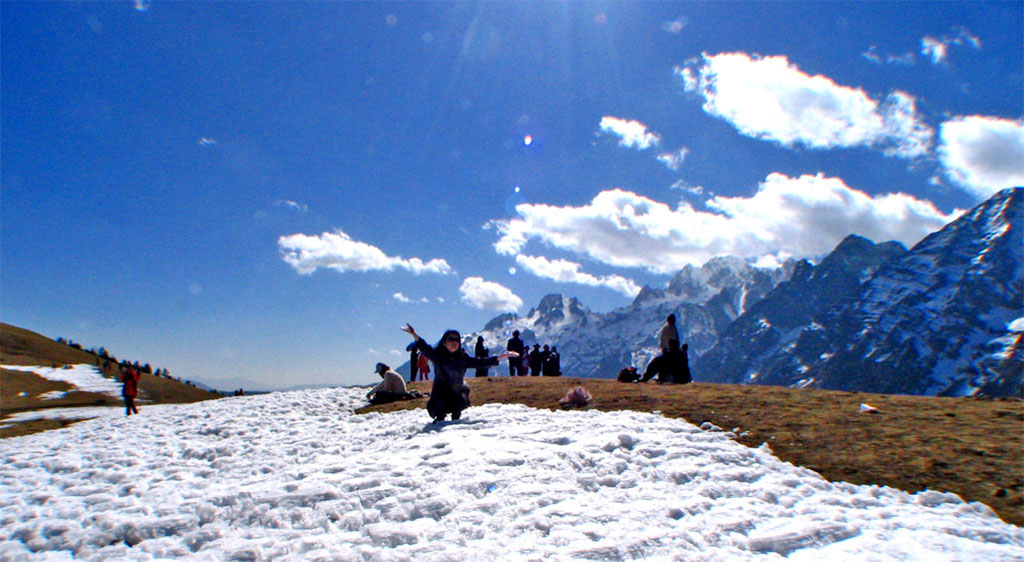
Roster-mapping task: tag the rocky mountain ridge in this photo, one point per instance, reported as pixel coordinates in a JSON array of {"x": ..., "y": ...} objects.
[
  {"x": 705, "y": 300},
  {"x": 943, "y": 318}
]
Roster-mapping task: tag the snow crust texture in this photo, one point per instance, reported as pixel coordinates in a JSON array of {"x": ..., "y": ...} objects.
[{"x": 299, "y": 476}]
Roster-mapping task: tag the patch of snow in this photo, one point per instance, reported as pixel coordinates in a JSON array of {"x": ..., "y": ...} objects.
[
  {"x": 297, "y": 475},
  {"x": 85, "y": 378}
]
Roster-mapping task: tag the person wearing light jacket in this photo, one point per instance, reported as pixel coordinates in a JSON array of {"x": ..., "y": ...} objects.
[
  {"x": 449, "y": 393},
  {"x": 390, "y": 389}
]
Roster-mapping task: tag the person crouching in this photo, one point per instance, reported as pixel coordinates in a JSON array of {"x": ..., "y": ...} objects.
[
  {"x": 391, "y": 389},
  {"x": 449, "y": 393}
]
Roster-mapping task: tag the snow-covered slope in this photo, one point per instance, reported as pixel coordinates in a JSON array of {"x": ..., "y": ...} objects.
[
  {"x": 942, "y": 318},
  {"x": 298, "y": 476}
]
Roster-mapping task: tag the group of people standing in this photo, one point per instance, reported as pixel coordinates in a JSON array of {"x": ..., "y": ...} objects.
[
  {"x": 535, "y": 362},
  {"x": 449, "y": 394}
]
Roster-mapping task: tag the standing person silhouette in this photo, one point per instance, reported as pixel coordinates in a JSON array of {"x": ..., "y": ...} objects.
[
  {"x": 423, "y": 366},
  {"x": 667, "y": 365},
  {"x": 535, "y": 360},
  {"x": 481, "y": 352},
  {"x": 130, "y": 390},
  {"x": 515, "y": 364},
  {"x": 414, "y": 363},
  {"x": 449, "y": 393}
]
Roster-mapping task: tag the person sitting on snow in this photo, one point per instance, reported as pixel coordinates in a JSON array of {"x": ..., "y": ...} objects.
[
  {"x": 391, "y": 389},
  {"x": 576, "y": 396}
]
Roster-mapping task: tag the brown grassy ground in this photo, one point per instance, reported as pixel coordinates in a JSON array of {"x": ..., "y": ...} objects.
[
  {"x": 19, "y": 391},
  {"x": 974, "y": 448}
]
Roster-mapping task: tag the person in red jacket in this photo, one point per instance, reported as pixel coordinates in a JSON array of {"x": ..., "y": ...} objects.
[
  {"x": 130, "y": 390},
  {"x": 423, "y": 366}
]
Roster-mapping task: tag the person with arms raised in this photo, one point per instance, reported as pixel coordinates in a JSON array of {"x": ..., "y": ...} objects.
[{"x": 449, "y": 393}]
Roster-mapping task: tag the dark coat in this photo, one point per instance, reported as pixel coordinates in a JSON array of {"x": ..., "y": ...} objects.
[
  {"x": 515, "y": 344},
  {"x": 449, "y": 393},
  {"x": 481, "y": 351}
]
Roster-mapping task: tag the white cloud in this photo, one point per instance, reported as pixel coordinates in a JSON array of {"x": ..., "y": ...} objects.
[
  {"x": 906, "y": 59},
  {"x": 934, "y": 49},
  {"x": 632, "y": 134},
  {"x": 401, "y": 298},
  {"x": 983, "y": 154},
  {"x": 674, "y": 160},
  {"x": 684, "y": 186},
  {"x": 293, "y": 205},
  {"x": 805, "y": 217},
  {"x": 487, "y": 295},
  {"x": 769, "y": 98},
  {"x": 338, "y": 251},
  {"x": 569, "y": 272},
  {"x": 690, "y": 80},
  {"x": 937, "y": 49},
  {"x": 872, "y": 55}
]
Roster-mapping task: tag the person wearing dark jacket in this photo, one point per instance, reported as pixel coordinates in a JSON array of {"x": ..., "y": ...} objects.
[
  {"x": 515, "y": 364},
  {"x": 535, "y": 360},
  {"x": 481, "y": 352},
  {"x": 414, "y": 360},
  {"x": 553, "y": 364},
  {"x": 449, "y": 393}
]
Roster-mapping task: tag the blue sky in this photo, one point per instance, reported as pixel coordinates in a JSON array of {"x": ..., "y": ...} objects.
[{"x": 261, "y": 194}]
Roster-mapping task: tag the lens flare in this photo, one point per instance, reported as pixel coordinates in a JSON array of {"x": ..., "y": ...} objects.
[{"x": 528, "y": 140}]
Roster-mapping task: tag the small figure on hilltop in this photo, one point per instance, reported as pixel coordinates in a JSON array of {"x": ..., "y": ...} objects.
[
  {"x": 672, "y": 366},
  {"x": 552, "y": 366},
  {"x": 515, "y": 364},
  {"x": 414, "y": 355},
  {"x": 391, "y": 389},
  {"x": 130, "y": 390},
  {"x": 683, "y": 375},
  {"x": 449, "y": 394},
  {"x": 481, "y": 352},
  {"x": 423, "y": 366},
  {"x": 535, "y": 360},
  {"x": 668, "y": 337},
  {"x": 628, "y": 374}
]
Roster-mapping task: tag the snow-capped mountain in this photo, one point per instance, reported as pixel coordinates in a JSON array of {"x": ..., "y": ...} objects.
[
  {"x": 946, "y": 317},
  {"x": 705, "y": 300},
  {"x": 790, "y": 311}
]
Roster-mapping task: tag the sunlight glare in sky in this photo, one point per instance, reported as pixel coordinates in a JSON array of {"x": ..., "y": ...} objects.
[{"x": 528, "y": 140}]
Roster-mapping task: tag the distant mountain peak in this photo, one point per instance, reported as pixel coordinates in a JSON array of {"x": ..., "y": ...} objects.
[{"x": 936, "y": 319}]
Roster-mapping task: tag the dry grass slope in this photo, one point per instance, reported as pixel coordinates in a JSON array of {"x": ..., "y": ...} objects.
[
  {"x": 974, "y": 448},
  {"x": 19, "y": 390}
]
